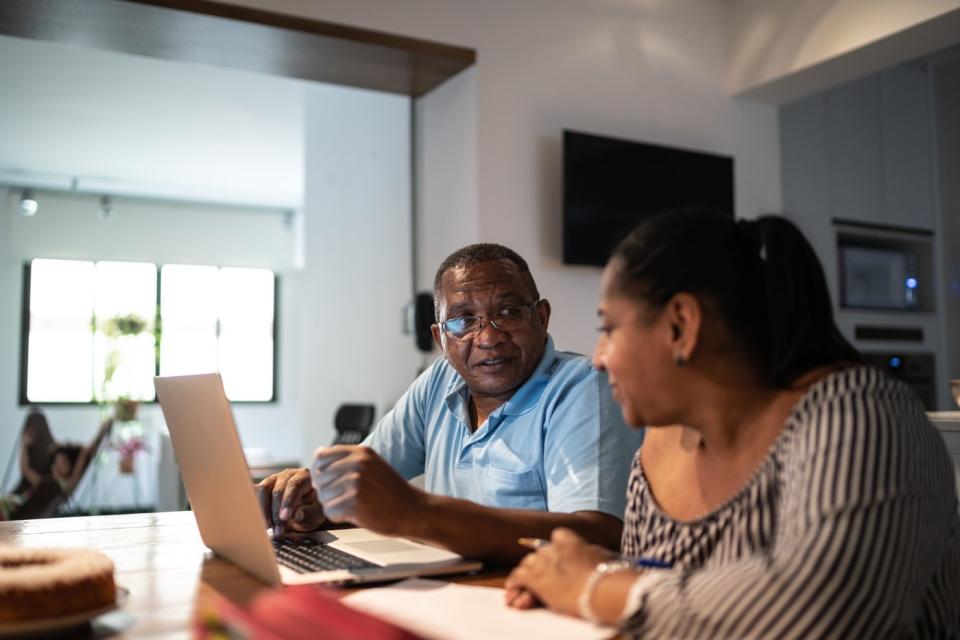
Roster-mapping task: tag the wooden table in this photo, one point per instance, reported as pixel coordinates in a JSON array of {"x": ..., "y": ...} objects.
[{"x": 160, "y": 558}]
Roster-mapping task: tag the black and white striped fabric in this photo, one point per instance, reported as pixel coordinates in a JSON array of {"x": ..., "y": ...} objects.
[{"x": 849, "y": 529}]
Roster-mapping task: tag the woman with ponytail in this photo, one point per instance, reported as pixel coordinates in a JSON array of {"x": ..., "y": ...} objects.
[{"x": 808, "y": 495}]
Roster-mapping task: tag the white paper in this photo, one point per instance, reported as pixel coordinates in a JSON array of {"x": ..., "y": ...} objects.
[{"x": 447, "y": 611}]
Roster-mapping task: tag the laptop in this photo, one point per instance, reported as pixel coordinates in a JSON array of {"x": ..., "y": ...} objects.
[{"x": 224, "y": 502}]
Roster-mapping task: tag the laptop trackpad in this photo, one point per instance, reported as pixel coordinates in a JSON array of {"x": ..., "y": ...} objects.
[
  {"x": 388, "y": 551},
  {"x": 382, "y": 547},
  {"x": 394, "y": 551}
]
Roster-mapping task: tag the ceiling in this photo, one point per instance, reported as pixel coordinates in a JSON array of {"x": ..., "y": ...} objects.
[{"x": 90, "y": 113}]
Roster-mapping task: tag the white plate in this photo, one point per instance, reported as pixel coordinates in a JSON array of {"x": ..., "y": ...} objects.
[{"x": 10, "y": 629}]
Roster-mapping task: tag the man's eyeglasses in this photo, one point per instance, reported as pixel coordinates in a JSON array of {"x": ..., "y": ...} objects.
[{"x": 507, "y": 318}]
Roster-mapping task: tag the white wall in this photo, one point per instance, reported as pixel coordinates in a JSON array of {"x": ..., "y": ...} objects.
[
  {"x": 782, "y": 50},
  {"x": 648, "y": 70},
  {"x": 446, "y": 173},
  {"x": 357, "y": 239}
]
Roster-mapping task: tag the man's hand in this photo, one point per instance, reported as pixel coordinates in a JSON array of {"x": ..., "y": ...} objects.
[
  {"x": 289, "y": 502},
  {"x": 356, "y": 485}
]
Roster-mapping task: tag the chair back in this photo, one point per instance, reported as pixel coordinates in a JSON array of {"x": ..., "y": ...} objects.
[{"x": 352, "y": 423}]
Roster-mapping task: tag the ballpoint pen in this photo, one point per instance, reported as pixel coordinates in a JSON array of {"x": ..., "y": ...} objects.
[{"x": 646, "y": 563}]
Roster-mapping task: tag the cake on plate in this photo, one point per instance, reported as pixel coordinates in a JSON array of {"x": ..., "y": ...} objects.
[{"x": 47, "y": 583}]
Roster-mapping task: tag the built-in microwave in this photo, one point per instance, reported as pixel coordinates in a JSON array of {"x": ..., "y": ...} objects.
[{"x": 875, "y": 278}]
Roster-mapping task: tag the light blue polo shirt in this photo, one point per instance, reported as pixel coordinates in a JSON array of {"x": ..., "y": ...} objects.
[{"x": 559, "y": 444}]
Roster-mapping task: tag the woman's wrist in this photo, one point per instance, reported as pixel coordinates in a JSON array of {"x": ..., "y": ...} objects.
[{"x": 585, "y": 602}]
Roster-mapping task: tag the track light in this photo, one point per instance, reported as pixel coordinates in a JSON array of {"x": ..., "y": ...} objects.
[
  {"x": 106, "y": 208},
  {"x": 28, "y": 203}
]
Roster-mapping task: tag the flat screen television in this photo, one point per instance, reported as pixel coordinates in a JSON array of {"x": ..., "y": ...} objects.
[{"x": 610, "y": 185}]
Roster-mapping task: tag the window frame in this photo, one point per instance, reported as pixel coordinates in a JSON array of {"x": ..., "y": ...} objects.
[{"x": 23, "y": 401}]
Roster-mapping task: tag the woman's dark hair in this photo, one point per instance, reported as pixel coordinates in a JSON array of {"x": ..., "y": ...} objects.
[
  {"x": 37, "y": 424},
  {"x": 43, "y": 442},
  {"x": 761, "y": 276}
]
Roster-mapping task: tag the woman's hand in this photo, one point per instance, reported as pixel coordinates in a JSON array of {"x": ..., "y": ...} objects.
[{"x": 555, "y": 573}]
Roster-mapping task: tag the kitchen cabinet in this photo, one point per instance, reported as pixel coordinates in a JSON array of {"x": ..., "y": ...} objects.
[
  {"x": 854, "y": 151},
  {"x": 862, "y": 151},
  {"x": 907, "y": 158}
]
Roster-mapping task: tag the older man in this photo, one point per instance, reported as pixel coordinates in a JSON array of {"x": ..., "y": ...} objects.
[{"x": 514, "y": 437}]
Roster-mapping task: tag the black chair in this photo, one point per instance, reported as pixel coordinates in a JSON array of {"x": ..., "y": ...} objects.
[{"x": 353, "y": 423}]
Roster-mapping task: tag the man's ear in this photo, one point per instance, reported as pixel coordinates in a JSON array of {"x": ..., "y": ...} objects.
[
  {"x": 437, "y": 335},
  {"x": 543, "y": 312},
  {"x": 685, "y": 316}
]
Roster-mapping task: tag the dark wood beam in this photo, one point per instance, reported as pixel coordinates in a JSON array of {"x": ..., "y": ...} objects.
[{"x": 210, "y": 32}]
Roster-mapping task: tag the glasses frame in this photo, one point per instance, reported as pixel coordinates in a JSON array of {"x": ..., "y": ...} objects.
[{"x": 484, "y": 321}]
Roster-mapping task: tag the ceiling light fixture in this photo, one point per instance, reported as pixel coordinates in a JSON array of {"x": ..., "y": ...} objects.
[{"x": 28, "y": 203}]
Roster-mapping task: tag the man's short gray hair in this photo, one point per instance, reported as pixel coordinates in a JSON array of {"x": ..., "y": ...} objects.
[{"x": 475, "y": 254}]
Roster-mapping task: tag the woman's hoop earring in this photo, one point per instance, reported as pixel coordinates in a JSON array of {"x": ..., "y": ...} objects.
[{"x": 679, "y": 360}]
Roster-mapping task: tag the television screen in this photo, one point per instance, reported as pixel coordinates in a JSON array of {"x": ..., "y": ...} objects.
[{"x": 610, "y": 185}]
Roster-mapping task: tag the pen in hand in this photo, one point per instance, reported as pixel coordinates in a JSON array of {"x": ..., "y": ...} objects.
[
  {"x": 532, "y": 543},
  {"x": 645, "y": 563}
]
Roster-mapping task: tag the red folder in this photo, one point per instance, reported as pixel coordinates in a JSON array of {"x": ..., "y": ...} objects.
[{"x": 294, "y": 613}]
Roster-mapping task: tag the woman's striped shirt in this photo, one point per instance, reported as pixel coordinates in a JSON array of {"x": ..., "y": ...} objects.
[{"x": 848, "y": 529}]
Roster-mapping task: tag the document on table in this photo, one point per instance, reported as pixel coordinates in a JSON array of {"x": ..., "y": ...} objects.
[{"x": 446, "y": 611}]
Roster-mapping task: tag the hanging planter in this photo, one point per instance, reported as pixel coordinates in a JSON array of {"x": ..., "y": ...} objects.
[
  {"x": 123, "y": 351},
  {"x": 125, "y": 410}
]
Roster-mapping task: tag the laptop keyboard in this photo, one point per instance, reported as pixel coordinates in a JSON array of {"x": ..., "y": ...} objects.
[{"x": 308, "y": 555}]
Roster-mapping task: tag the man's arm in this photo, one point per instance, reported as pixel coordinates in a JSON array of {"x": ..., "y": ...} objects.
[
  {"x": 356, "y": 485},
  {"x": 477, "y": 531},
  {"x": 364, "y": 490}
]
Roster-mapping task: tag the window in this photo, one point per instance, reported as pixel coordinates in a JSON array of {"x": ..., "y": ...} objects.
[
  {"x": 97, "y": 331},
  {"x": 219, "y": 319}
]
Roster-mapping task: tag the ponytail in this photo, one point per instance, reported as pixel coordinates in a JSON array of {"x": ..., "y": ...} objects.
[
  {"x": 762, "y": 277},
  {"x": 799, "y": 314}
]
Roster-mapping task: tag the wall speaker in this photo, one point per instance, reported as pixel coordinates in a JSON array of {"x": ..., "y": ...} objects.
[{"x": 422, "y": 320}]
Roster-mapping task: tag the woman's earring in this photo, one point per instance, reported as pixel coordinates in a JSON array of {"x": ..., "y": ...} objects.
[{"x": 679, "y": 359}]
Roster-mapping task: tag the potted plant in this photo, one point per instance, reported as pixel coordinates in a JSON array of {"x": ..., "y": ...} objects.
[
  {"x": 127, "y": 449},
  {"x": 128, "y": 431}
]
